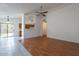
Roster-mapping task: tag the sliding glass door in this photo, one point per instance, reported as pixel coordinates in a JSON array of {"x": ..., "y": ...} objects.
[
  {"x": 10, "y": 30},
  {"x": 3, "y": 31},
  {"x": 6, "y": 30}
]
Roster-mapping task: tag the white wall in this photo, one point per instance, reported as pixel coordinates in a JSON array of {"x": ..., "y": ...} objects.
[
  {"x": 29, "y": 33},
  {"x": 64, "y": 23}
]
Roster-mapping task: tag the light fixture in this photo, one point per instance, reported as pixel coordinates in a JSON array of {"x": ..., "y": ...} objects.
[
  {"x": 41, "y": 12},
  {"x": 7, "y": 18}
]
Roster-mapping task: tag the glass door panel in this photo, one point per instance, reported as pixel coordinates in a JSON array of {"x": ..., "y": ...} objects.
[
  {"x": 4, "y": 31},
  {"x": 10, "y": 30}
]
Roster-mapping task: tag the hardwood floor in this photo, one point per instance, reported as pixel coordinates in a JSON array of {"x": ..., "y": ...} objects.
[{"x": 43, "y": 46}]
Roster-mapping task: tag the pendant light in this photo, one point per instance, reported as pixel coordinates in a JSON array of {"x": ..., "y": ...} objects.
[{"x": 7, "y": 18}]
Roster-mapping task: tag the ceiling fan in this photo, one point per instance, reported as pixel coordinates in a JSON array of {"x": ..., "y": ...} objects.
[{"x": 41, "y": 12}]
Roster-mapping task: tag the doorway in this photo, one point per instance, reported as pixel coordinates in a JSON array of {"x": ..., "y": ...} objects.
[
  {"x": 6, "y": 30},
  {"x": 44, "y": 24}
]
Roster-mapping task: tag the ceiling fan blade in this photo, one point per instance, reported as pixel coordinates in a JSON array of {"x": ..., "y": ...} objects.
[
  {"x": 45, "y": 12},
  {"x": 43, "y": 15},
  {"x": 41, "y": 12}
]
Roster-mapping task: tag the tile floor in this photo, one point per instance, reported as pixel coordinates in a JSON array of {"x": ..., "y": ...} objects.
[{"x": 12, "y": 47}]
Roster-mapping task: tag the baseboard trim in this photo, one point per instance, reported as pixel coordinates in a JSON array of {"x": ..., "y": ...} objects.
[
  {"x": 33, "y": 37},
  {"x": 60, "y": 39}
]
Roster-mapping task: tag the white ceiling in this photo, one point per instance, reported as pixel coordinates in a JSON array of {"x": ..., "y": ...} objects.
[{"x": 20, "y": 8}]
